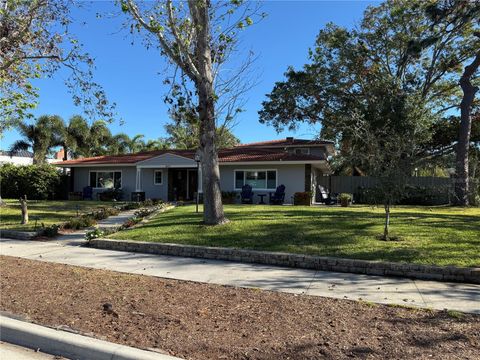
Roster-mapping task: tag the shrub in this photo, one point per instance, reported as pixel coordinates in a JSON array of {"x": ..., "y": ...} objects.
[
  {"x": 38, "y": 182},
  {"x": 228, "y": 197},
  {"x": 79, "y": 223},
  {"x": 111, "y": 194},
  {"x": 50, "y": 231},
  {"x": 302, "y": 198}
]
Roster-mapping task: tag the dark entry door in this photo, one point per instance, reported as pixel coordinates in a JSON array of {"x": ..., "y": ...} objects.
[
  {"x": 178, "y": 184},
  {"x": 192, "y": 184}
]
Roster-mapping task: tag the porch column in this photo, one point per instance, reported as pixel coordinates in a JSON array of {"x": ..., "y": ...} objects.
[{"x": 138, "y": 180}]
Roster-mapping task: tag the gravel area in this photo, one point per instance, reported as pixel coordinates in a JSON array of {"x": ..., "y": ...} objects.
[{"x": 202, "y": 321}]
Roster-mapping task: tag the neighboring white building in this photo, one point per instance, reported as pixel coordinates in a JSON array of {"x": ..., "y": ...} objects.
[{"x": 23, "y": 157}]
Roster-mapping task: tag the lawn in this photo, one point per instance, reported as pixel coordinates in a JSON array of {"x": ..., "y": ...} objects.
[
  {"x": 429, "y": 235},
  {"x": 47, "y": 212}
]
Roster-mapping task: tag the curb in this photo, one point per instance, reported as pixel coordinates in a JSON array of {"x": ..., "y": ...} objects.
[
  {"x": 322, "y": 263},
  {"x": 74, "y": 346}
]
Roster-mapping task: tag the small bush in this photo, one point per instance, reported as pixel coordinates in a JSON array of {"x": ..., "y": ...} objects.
[
  {"x": 228, "y": 197},
  {"x": 111, "y": 195},
  {"x": 80, "y": 223},
  {"x": 302, "y": 198},
  {"x": 50, "y": 231}
]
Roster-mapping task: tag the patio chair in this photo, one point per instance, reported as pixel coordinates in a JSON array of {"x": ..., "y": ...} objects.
[
  {"x": 87, "y": 193},
  {"x": 323, "y": 194},
  {"x": 278, "y": 197},
  {"x": 247, "y": 194}
]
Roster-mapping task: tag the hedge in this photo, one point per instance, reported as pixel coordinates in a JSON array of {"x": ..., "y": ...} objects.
[{"x": 38, "y": 182}]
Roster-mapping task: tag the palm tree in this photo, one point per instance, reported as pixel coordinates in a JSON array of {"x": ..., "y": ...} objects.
[
  {"x": 158, "y": 144},
  {"x": 73, "y": 137},
  {"x": 119, "y": 144},
  {"x": 38, "y": 137},
  {"x": 99, "y": 139},
  {"x": 136, "y": 144}
]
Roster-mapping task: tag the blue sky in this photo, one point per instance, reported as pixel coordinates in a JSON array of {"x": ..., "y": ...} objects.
[{"x": 131, "y": 74}]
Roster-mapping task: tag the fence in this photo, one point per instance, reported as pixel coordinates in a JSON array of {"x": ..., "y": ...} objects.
[{"x": 442, "y": 188}]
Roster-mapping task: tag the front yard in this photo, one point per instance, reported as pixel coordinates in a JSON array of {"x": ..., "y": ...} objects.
[
  {"x": 429, "y": 235},
  {"x": 204, "y": 321},
  {"x": 46, "y": 212}
]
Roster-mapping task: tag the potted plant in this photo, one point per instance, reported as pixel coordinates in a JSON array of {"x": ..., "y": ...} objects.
[{"x": 345, "y": 199}]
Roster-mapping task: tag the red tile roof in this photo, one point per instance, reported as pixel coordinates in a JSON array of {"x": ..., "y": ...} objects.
[
  {"x": 236, "y": 154},
  {"x": 289, "y": 141}
]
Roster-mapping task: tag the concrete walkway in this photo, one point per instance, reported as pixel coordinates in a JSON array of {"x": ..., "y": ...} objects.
[{"x": 14, "y": 352}]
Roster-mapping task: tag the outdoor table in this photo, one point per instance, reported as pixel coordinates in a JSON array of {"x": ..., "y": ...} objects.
[{"x": 261, "y": 198}]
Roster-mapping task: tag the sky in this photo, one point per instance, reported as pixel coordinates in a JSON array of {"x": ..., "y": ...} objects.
[{"x": 132, "y": 75}]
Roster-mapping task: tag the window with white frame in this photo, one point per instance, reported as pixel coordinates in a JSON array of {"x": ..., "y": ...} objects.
[
  {"x": 158, "y": 177},
  {"x": 106, "y": 179},
  {"x": 257, "y": 179}
]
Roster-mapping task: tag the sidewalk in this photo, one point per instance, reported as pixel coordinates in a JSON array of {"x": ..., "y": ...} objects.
[
  {"x": 66, "y": 249},
  {"x": 9, "y": 351},
  {"x": 430, "y": 294}
]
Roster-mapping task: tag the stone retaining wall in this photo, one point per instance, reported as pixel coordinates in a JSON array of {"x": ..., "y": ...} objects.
[
  {"x": 19, "y": 235},
  {"x": 426, "y": 272}
]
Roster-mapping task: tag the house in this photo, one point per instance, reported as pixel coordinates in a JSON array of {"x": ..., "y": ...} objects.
[
  {"x": 21, "y": 157},
  {"x": 24, "y": 157},
  {"x": 173, "y": 174}
]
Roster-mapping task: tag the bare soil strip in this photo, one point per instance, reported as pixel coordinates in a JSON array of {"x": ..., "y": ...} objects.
[{"x": 201, "y": 321}]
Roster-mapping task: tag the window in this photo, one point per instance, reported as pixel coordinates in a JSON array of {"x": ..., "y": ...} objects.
[
  {"x": 257, "y": 179},
  {"x": 302, "y": 151},
  {"x": 106, "y": 179},
  {"x": 158, "y": 177}
]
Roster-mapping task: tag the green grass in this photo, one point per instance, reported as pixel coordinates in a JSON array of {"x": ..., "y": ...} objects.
[
  {"x": 430, "y": 235},
  {"x": 47, "y": 212}
]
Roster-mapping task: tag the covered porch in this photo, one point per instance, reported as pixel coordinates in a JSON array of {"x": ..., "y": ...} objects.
[{"x": 158, "y": 178}]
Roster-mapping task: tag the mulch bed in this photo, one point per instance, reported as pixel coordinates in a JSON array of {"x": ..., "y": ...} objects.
[{"x": 200, "y": 321}]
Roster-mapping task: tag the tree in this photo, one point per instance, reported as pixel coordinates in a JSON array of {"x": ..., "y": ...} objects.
[
  {"x": 158, "y": 144},
  {"x": 196, "y": 37},
  {"x": 387, "y": 141},
  {"x": 183, "y": 134},
  {"x": 395, "y": 39},
  {"x": 100, "y": 138},
  {"x": 136, "y": 144},
  {"x": 462, "y": 187},
  {"x": 447, "y": 16},
  {"x": 39, "y": 137},
  {"x": 74, "y": 137},
  {"x": 34, "y": 43}
]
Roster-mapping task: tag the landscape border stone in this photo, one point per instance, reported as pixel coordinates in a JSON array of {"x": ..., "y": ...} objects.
[
  {"x": 324, "y": 263},
  {"x": 19, "y": 235},
  {"x": 69, "y": 345}
]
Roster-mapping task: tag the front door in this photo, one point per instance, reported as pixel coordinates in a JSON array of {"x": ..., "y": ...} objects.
[
  {"x": 182, "y": 184},
  {"x": 192, "y": 184}
]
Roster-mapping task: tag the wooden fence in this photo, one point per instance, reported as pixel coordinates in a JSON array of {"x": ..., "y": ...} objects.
[{"x": 351, "y": 184}]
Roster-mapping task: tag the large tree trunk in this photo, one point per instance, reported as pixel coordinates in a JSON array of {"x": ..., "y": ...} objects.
[
  {"x": 461, "y": 165},
  {"x": 212, "y": 198}
]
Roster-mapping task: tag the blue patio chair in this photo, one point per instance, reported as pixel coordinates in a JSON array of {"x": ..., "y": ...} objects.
[
  {"x": 247, "y": 194},
  {"x": 278, "y": 197},
  {"x": 87, "y": 193}
]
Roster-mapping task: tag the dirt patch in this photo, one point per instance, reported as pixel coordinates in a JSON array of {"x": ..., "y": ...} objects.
[{"x": 201, "y": 321}]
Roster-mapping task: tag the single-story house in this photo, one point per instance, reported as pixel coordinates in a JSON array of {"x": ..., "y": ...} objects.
[{"x": 173, "y": 174}]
